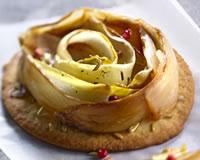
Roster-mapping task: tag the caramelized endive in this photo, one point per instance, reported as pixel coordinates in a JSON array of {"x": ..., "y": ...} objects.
[{"x": 144, "y": 76}]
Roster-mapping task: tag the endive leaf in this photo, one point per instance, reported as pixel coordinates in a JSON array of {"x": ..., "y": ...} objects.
[
  {"x": 158, "y": 98},
  {"x": 149, "y": 51},
  {"x": 98, "y": 41},
  {"x": 106, "y": 73},
  {"x": 57, "y": 89},
  {"x": 140, "y": 78},
  {"x": 119, "y": 43}
]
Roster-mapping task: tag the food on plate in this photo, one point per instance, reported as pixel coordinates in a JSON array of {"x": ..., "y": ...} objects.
[
  {"x": 176, "y": 153},
  {"x": 95, "y": 80}
]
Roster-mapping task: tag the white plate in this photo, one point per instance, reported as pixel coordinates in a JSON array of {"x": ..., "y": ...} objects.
[{"x": 182, "y": 33}]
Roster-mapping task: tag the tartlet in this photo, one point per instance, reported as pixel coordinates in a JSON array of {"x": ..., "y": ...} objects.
[{"x": 94, "y": 80}]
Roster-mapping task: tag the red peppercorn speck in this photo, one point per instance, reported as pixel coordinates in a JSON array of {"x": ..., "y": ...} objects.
[
  {"x": 112, "y": 98},
  {"x": 119, "y": 53},
  {"x": 102, "y": 153},
  {"x": 171, "y": 157},
  {"x": 38, "y": 54},
  {"x": 127, "y": 34}
]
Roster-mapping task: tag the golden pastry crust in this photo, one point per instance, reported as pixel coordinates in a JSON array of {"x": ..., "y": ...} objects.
[{"x": 43, "y": 126}]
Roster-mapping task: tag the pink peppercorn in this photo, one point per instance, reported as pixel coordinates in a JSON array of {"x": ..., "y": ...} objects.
[
  {"x": 113, "y": 97},
  {"x": 102, "y": 153},
  {"x": 127, "y": 34},
  {"x": 171, "y": 157},
  {"x": 38, "y": 54}
]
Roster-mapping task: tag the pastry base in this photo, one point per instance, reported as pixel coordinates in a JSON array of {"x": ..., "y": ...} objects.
[{"x": 24, "y": 112}]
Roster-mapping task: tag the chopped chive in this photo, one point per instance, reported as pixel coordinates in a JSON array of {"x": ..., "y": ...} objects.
[
  {"x": 152, "y": 127},
  {"x": 39, "y": 111},
  {"x": 99, "y": 63},
  {"x": 122, "y": 75},
  {"x": 93, "y": 153},
  {"x": 118, "y": 135},
  {"x": 133, "y": 128}
]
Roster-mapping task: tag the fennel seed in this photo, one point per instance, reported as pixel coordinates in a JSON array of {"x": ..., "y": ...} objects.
[
  {"x": 165, "y": 150},
  {"x": 152, "y": 127},
  {"x": 39, "y": 111},
  {"x": 181, "y": 98},
  {"x": 93, "y": 153},
  {"x": 50, "y": 126},
  {"x": 107, "y": 158},
  {"x": 118, "y": 135},
  {"x": 134, "y": 128},
  {"x": 64, "y": 129},
  {"x": 168, "y": 117}
]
